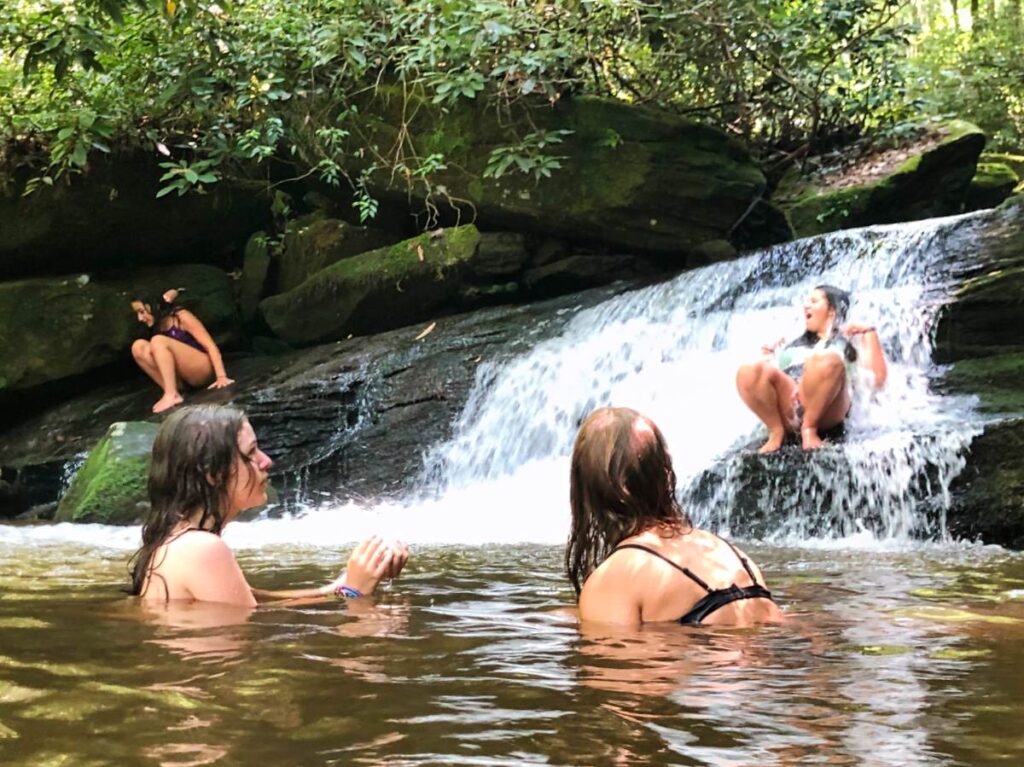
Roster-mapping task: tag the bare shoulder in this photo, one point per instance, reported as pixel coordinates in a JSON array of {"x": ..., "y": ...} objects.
[
  {"x": 186, "y": 318},
  {"x": 201, "y": 543}
]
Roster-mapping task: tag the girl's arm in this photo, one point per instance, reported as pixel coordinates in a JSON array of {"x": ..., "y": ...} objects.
[
  {"x": 371, "y": 561},
  {"x": 871, "y": 348},
  {"x": 191, "y": 323}
]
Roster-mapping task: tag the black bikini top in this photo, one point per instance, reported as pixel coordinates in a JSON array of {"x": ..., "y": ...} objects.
[{"x": 715, "y": 599}]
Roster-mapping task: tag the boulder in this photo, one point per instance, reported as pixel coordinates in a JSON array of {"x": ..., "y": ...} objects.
[
  {"x": 931, "y": 183},
  {"x": 629, "y": 177},
  {"x": 110, "y": 218},
  {"x": 1014, "y": 161},
  {"x": 577, "y": 271},
  {"x": 383, "y": 289},
  {"x": 255, "y": 269},
  {"x": 993, "y": 182},
  {"x": 988, "y": 496},
  {"x": 313, "y": 242},
  {"x": 987, "y": 315},
  {"x": 110, "y": 488},
  {"x": 56, "y": 328}
]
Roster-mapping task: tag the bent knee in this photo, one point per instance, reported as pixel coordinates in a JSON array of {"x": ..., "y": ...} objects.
[
  {"x": 751, "y": 372},
  {"x": 828, "y": 363},
  {"x": 159, "y": 342},
  {"x": 141, "y": 349}
]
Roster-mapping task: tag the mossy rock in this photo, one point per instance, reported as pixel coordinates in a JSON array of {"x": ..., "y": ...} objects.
[
  {"x": 988, "y": 496},
  {"x": 54, "y": 328},
  {"x": 383, "y": 289},
  {"x": 255, "y": 268},
  {"x": 932, "y": 183},
  {"x": 993, "y": 182},
  {"x": 986, "y": 316},
  {"x": 313, "y": 242},
  {"x": 996, "y": 381},
  {"x": 1014, "y": 161},
  {"x": 110, "y": 488},
  {"x": 630, "y": 176}
]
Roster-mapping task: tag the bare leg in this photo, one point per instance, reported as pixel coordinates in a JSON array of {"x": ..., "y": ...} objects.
[
  {"x": 824, "y": 395},
  {"x": 174, "y": 359},
  {"x": 769, "y": 393},
  {"x": 144, "y": 359}
]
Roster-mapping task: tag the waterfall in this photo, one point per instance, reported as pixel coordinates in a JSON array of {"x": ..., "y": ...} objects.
[{"x": 671, "y": 351}]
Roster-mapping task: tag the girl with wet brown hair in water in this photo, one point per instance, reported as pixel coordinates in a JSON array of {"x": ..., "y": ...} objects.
[
  {"x": 206, "y": 469},
  {"x": 633, "y": 556}
]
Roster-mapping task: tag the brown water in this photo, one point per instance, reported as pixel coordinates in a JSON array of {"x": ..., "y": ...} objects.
[{"x": 910, "y": 658}]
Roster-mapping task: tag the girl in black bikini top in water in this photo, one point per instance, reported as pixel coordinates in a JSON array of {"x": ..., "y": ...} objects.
[{"x": 630, "y": 540}]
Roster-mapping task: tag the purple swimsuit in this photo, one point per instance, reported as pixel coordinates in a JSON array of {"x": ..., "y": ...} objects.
[{"x": 180, "y": 334}]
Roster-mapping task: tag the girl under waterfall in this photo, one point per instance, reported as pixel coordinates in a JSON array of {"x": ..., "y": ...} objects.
[
  {"x": 180, "y": 349},
  {"x": 206, "y": 468},
  {"x": 803, "y": 387},
  {"x": 633, "y": 556}
]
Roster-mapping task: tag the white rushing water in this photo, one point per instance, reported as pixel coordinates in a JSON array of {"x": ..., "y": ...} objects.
[{"x": 671, "y": 351}]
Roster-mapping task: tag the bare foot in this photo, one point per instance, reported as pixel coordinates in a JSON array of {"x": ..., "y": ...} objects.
[
  {"x": 811, "y": 440},
  {"x": 774, "y": 442},
  {"x": 167, "y": 401}
]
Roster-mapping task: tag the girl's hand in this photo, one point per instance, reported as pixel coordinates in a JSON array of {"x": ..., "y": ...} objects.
[
  {"x": 370, "y": 562},
  {"x": 854, "y": 329},
  {"x": 770, "y": 348},
  {"x": 221, "y": 382},
  {"x": 399, "y": 556}
]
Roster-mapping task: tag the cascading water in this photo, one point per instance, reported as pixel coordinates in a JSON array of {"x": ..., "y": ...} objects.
[{"x": 672, "y": 350}]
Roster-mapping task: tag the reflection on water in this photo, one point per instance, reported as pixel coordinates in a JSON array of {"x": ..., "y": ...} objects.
[{"x": 910, "y": 658}]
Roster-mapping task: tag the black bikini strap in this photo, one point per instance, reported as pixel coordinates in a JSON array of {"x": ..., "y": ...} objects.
[
  {"x": 684, "y": 570},
  {"x": 742, "y": 559}
]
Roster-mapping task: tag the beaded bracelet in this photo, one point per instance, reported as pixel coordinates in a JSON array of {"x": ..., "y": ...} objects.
[{"x": 347, "y": 592}]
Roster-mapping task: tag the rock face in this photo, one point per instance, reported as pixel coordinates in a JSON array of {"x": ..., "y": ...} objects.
[
  {"x": 111, "y": 219},
  {"x": 993, "y": 182},
  {"x": 313, "y": 242},
  {"x": 630, "y": 178},
  {"x": 382, "y": 289},
  {"x": 61, "y": 327},
  {"x": 110, "y": 488},
  {"x": 933, "y": 183},
  {"x": 349, "y": 419}
]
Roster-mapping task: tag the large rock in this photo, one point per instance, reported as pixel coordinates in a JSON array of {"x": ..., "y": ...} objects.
[
  {"x": 379, "y": 290},
  {"x": 343, "y": 420},
  {"x": 630, "y": 177},
  {"x": 56, "y": 328},
  {"x": 313, "y": 242},
  {"x": 987, "y": 316},
  {"x": 110, "y": 488},
  {"x": 933, "y": 183},
  {"x": 110, "y": 218},
  {"x": 993, "y": 182}
]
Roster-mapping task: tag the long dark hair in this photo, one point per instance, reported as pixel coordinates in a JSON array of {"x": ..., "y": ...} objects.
[
  {"x": 193, "y": 463},
  {"x": 838, "y": 300},
  {"x": 621, "y": 483},
  {"x": 160, "y": 308}
]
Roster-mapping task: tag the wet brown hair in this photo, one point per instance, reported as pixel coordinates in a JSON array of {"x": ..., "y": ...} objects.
[
  {"x": 191, "y": 469},
  {"x": 621, "y": 483}
]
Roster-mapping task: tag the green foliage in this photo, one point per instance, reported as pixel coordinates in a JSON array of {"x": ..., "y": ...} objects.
[{"x": 219, "y": 88}]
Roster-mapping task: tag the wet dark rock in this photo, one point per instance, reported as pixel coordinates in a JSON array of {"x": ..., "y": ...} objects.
[
  {"x": 111, "y": 219},
  {"x": 349, "y": 419}
]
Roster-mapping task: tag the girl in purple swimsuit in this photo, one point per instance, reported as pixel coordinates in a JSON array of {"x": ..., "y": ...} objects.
[{"x": 180, "y": 349}]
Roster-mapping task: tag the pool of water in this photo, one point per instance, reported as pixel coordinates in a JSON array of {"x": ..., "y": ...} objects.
[{"x": 891, "y": 655}]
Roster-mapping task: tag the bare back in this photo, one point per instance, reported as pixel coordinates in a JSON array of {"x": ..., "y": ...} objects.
[
  {"x": 648, "y": 584},
  {"x": 196, "y": 565}
]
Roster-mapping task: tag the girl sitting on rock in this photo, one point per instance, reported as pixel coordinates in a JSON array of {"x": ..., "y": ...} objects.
[
  {"x": 179, "y": 349},
  {"x": 633, "y": 557},
  {"x": 206, "y": 468},
  {"x": 802, "y": 387}
]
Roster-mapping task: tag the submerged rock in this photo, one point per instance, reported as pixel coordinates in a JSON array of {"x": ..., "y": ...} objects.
[{"x": 110, "y": 488}]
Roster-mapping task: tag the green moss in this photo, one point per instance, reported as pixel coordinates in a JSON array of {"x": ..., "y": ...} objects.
[
  {"x": 996, "y": 381},
  {"x": 819, "y": 212},
  {"x": 112, "y": 483},
  {"x": 1014, "y": 161}
]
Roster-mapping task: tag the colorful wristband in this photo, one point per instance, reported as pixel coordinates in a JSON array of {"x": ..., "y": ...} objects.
[{"x": 347, "y": 592}]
